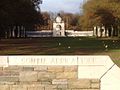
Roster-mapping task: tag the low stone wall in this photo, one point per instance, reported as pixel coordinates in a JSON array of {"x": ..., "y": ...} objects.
[
  {"x": 44, "y": 78},
  {"x": 49, "y": 33}
]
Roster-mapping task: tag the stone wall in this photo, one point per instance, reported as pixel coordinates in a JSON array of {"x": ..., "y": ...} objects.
[
  {"x": 51, "y": 33},
  {"x": 58, "y": 73},
  {"x": 44, "y": 78}
]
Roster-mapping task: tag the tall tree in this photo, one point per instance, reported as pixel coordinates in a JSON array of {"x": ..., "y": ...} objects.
[
  {"x": 16, "y": 14},
  {"x": 101, "y": 12}
]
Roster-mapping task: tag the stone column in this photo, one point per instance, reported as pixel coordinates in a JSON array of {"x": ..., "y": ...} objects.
[
  {"x": 99, "y": 32},
  {"x": 95, "y": 31},
  {"x": 107, "y": 33},
  {"x": 63, "y": 29},
  {"x": 13, "y": 31},
  {"x": 103, "y": 32}
]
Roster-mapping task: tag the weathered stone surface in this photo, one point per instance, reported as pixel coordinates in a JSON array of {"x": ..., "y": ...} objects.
[
  {"x": 95, "y": 81},
  {"x": 67, "y": 75},
  {"x": 55, "y": 68},
  {"x": 42, "y": 60},
  {"x": 28, "y": 83},
  {"x": 18, "y": 87},
  {"x": 37, "y": 70},
  {"x": 35, "y": 87},
  {"x": 90, "y": 71},
  {"x": 85, "y": 89},
  {"x": 60, "y": 81},
  {"x": 70, "y": 68},
  {"x": 4, "y": 87},
  {"x": 13, "y": 68},
  {"x": 89, "y": 66},
  {"x": 9, "y": 79},
  {"x": 95, "y": 60},
  {"x": 28, "y": 76},
  {"x": 3, "y": 61},
  {"x": 64, "y": 86},
  {"x": 8, "y": 83},
  {"x": 9, "y": 76},
  {"x": 46, "y": 76},
  {"x": 51, "y": 87},
  {"x": 79, "y": 84},
  {"x": 64, "y": 89},
  {"x": 95, "y": 85},
  {"x": 9, "y": 73},
  {"x": 28, "y": 68},
  {"x": 40, "y": 68},
  {"x": 46, "y": 83}
]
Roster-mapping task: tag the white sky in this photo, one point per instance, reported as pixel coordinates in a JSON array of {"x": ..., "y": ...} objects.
[{"x": 72, "y": 6}]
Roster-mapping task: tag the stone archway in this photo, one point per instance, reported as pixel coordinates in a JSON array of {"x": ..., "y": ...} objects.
[{"x": 58, "y": 27}]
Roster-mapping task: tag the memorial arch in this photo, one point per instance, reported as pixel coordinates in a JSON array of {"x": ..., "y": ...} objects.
[{"x": 58, "y": 27}]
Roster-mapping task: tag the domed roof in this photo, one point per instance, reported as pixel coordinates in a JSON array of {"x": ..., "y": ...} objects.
[{"x": 58, "y": 19}]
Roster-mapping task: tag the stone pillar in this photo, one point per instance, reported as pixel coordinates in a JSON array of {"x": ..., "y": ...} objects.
[
  {"x": 95, "y": 31},
  {"x": 13, "y": 31},
  {"x": 58, "y": 27},
  {"x": 107, "y": 33},
  {"x": 99, "y": 32},
  {"x": 103, "y": 32},
  {"x": 63, "y": 29}
]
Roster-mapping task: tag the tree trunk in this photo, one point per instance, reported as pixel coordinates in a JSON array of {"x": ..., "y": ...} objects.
[{"x": 112, "y": 31}]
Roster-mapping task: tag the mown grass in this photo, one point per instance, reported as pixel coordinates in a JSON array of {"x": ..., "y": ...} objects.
[{"x": 62, "y": 46}]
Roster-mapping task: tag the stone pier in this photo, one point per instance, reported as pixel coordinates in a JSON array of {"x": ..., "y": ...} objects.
[{"x": 58, "y": 73}]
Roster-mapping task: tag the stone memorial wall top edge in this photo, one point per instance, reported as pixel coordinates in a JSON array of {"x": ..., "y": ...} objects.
[
  {"x": 95, "y": 60},
  {"x": 42, "y": 60},
  {"x": 3, "y": 61},
  {"x": 57, "y": 60}
]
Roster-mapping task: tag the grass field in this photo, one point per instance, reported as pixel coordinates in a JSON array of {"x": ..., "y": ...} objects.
[{"x": 62, "y": 46}]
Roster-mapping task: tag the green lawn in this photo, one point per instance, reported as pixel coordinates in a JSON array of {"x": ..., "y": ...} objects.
[{"x": 62, "y": 46}]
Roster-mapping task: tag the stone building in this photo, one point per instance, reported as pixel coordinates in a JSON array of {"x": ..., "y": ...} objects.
[
  {"x": 59, "y": 30},
  {"x": 58, "y": 27}
]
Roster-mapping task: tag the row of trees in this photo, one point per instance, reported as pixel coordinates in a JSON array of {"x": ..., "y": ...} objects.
[
  {"x": 101, "y": 13},
  {"x": 96, "y": 13},
  {"x": 18, "y": 15},
  {"x": 71, "y": 20}
]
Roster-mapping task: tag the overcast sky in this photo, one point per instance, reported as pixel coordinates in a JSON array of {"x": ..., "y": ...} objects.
[{"x": 72, "y": 6}]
